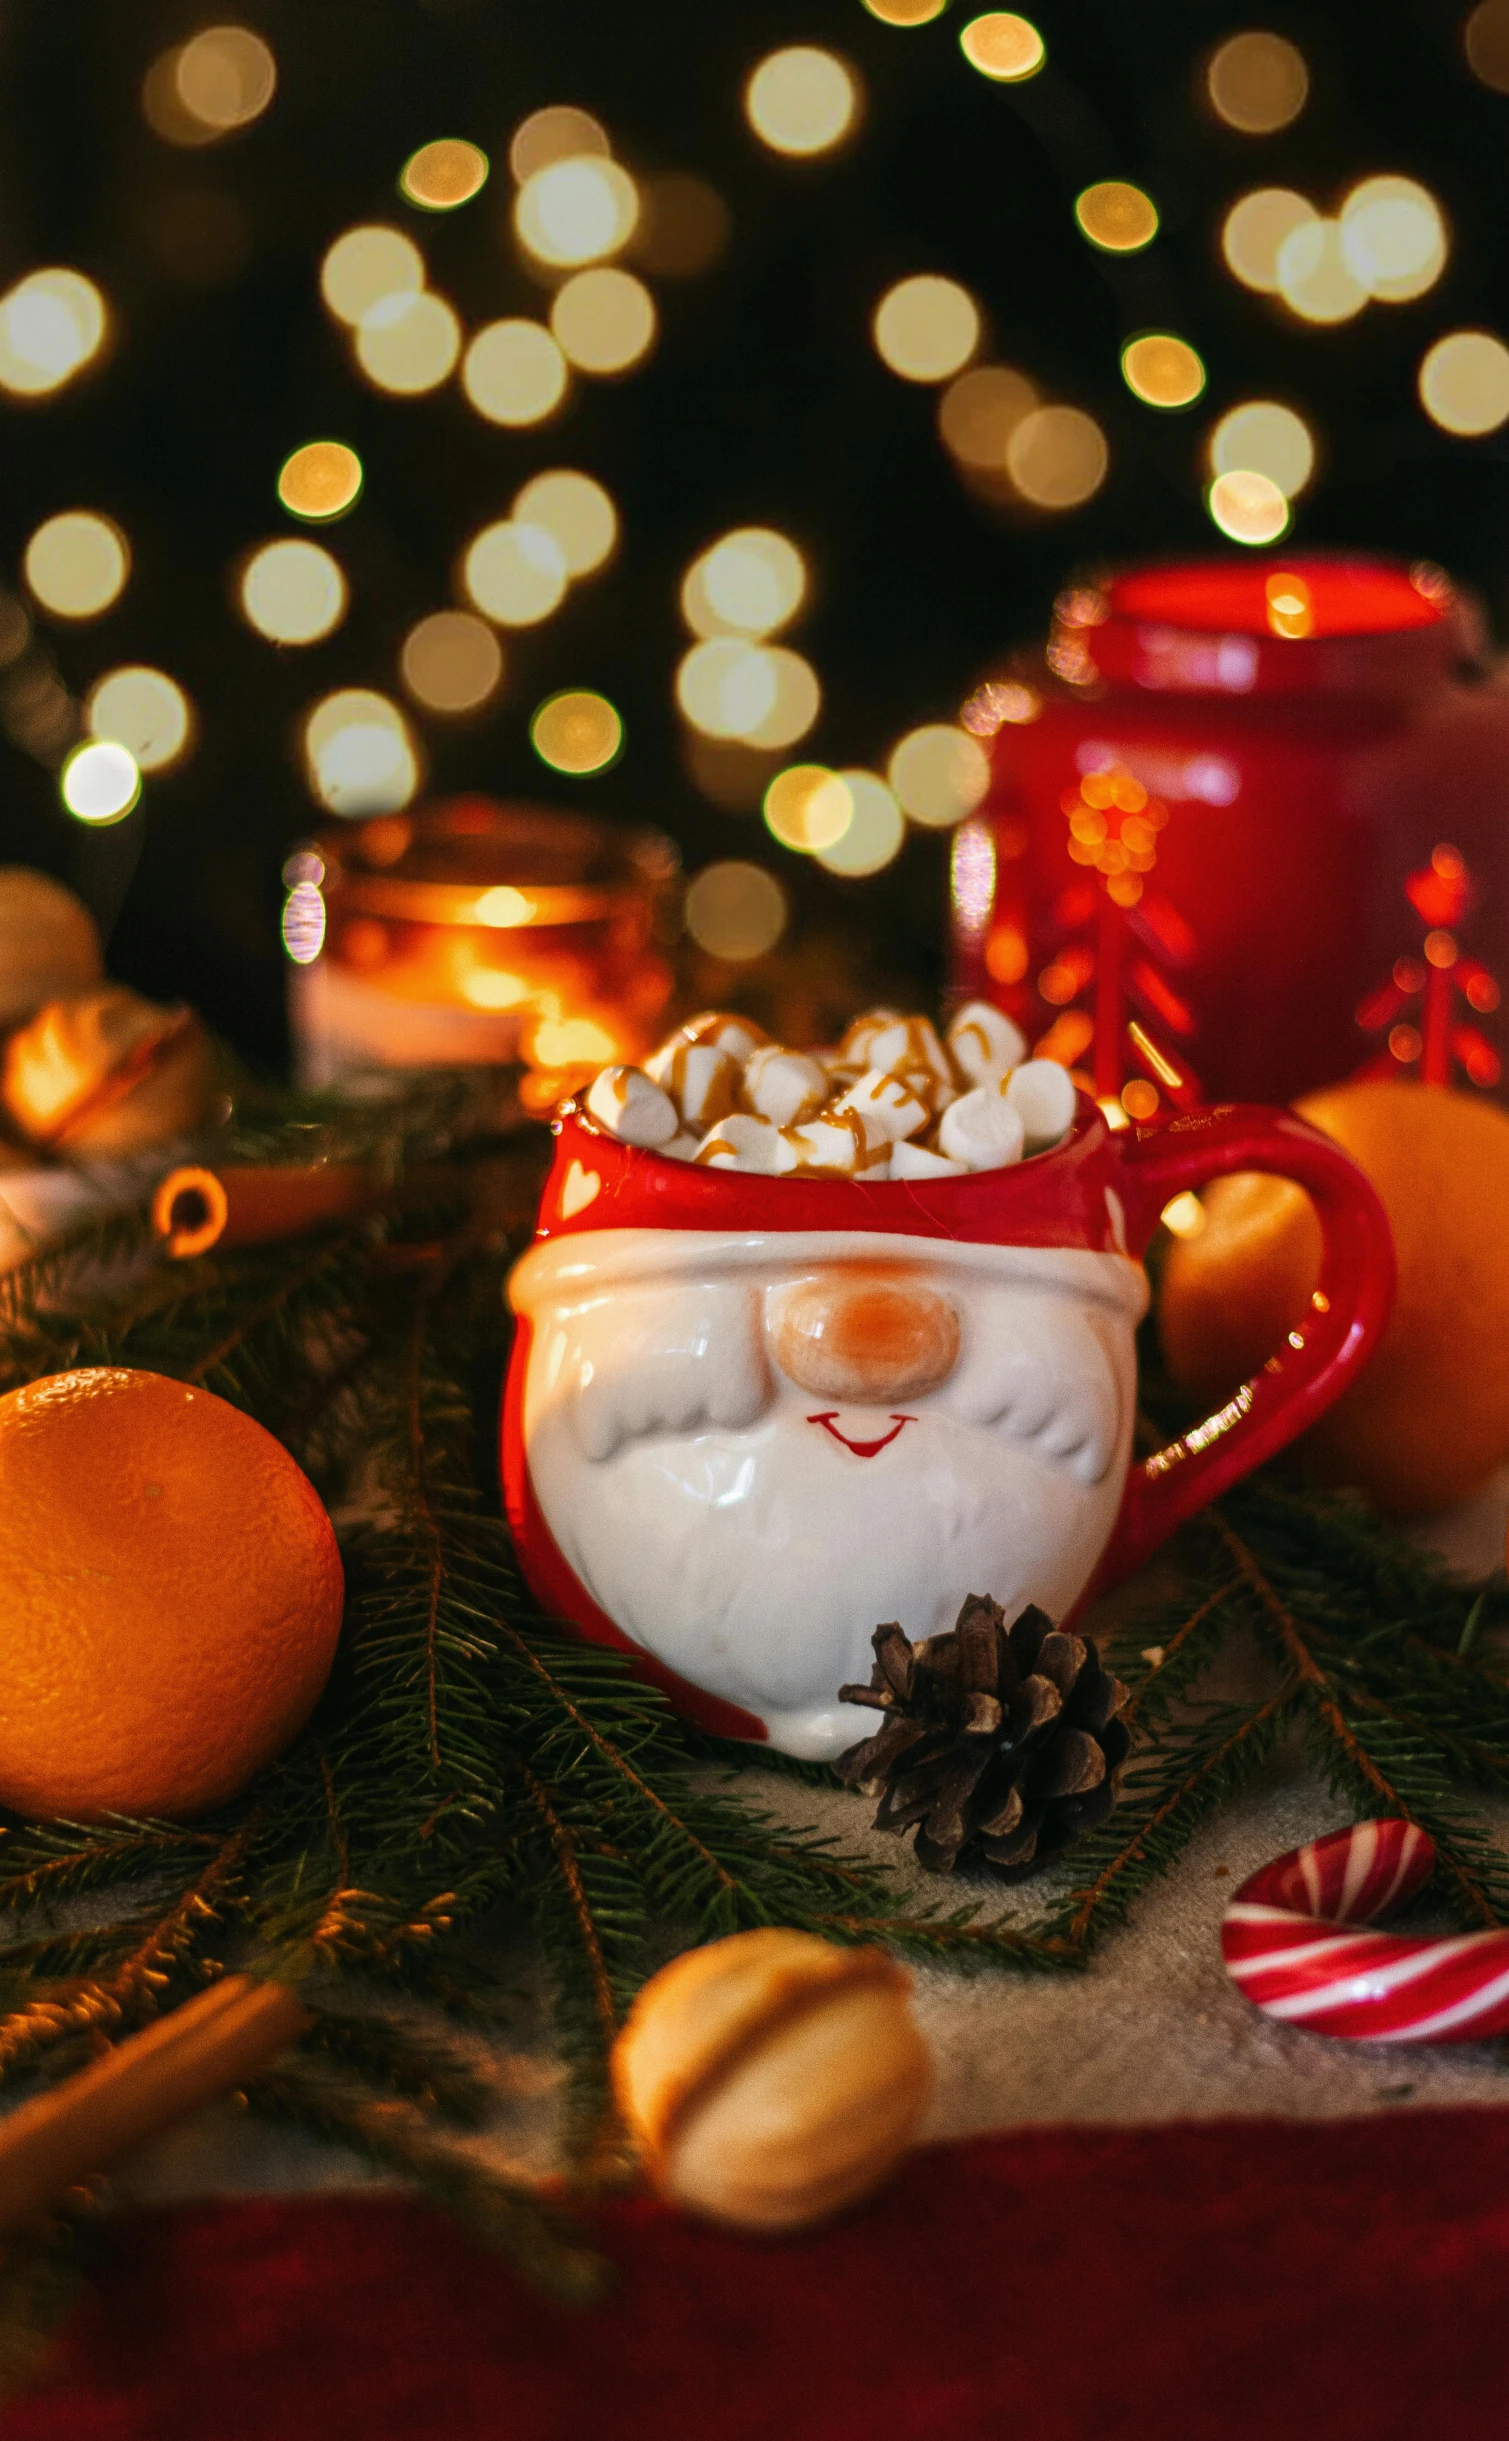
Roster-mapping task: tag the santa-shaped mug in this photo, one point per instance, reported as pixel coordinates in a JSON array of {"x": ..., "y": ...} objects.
[{"x": 749, "y": 1418}]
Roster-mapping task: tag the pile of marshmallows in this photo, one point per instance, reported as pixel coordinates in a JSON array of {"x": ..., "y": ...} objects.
[{"x": 891, "y": 1102}]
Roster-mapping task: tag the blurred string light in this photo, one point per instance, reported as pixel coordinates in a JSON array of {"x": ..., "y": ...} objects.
[
  {"x": 1464, "y": 383},
  {"x": 221, "y": 80},
  {"x": 735, "y": 911},
  {"x": 514, "y": 372},
  {"x": 451, "y": 662},
  {"x": 558, "y": 133},
  {"x": 906, "y": 12},
  {"x": 1254, "y": 230},
  {"x": 77, "y": 564},
  {"x": 576, "y": 512},
  {"x": 444, "y": 174},
  {"x": 1257, "y": 83},
  {"x": 1485, "y": 38},
  {"x": 293, "y": 592},
  {"x": 808, "y": 808},
  {"x": 366, "y": 266},
  {"x": 926, "y": 328},
  {"x": 1265, "y": 438},
  {"x": 100, "y": 783},
  {"x": 761, "y": 695},
  {"x": 749, "y": 583},
  {"x": 1248, "y": 507},
  {"x": 1314, "y": 277},
  {"x": 978, "y": 414},
  {"x": 682, "y": 228},
  {"x": 802, "y": 101},
  {"x": 359, "y": 754},
  {"x": 52, "y": 324},
  {"x": 603, "y": 320},
  {"x": 1003, "y": 46},
  {"x": 938, "y": 774},
  {"x": 577, "y": 731},
  {"x": 409, "y": 344},
  {"x": 875, "y": 830},
  {"x": 1117, "y": 217},
  {"x": 320, "y": 480},
  {"x": 515, "y": 573},
  {"x": 143, "y": 710},
  {"x": 1057, "y": 458},
  {"x": 1393, "y": 238},
  {"x": 576, "y": 210},
  {"x": 303, "y": 924},
  {"x": 1162, "y": 370}
]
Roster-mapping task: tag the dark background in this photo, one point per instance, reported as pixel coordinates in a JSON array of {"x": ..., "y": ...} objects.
[{"x": 764, "y": 401}]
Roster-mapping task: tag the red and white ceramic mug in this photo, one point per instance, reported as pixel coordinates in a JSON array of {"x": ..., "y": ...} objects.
[{"x": 748, "y": 1419}]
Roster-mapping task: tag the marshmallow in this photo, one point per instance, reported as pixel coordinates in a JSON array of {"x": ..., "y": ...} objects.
[
  {"x": 982, "y": 1129},
  {"x": 889, "y": 1102},
  {"x": 739, "y": 1035},
  {"x": 701, "y": 1079},
  {"x": 851, "y": 1146},
  {"x": 741, "y": 1142},
  {"x": 632, "y": 1107},
  {"x": 915, "y": 1161},
  {"x": 908, "y": 1043},
  {"x": 853, "y": 1055},
  {"x": 985, "y": 1043},
  {"x": 1042, "y": 1094},
  {"x": 784, "y": 1085},
  {"x": 680, "y": 1148}
]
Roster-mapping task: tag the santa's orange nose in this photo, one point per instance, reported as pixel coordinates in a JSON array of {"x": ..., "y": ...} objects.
[{"x": 865, "y": 1338}]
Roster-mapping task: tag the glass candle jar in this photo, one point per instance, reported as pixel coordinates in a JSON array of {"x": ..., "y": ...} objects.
[
  {"x": 1206, "y": 799},
  {"x": 476, "y": 932}
]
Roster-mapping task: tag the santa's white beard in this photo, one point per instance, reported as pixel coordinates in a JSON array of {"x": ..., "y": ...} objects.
[{"x": 758, "y": 1563}]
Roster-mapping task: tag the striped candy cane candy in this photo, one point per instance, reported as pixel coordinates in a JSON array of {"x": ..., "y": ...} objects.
[{"x": 1282, "y": 1949}]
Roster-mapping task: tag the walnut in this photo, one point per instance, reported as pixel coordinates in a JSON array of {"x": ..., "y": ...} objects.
[
  {"x": 107, "y": 1073},
  {"x": 48, "y": 943}
]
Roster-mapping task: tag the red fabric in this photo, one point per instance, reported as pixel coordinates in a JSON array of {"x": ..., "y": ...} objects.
[{"x": 1239, "y": 2280}]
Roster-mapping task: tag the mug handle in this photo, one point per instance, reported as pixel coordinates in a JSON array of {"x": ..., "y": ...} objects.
[{"x": 1320, "y": 1357}]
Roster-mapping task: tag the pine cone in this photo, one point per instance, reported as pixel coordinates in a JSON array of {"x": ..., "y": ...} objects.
[{"x": 1001, "y": 1745}]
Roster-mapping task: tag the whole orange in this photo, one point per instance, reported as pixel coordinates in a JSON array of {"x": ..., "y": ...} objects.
[
  {"x": 170, "y": 1591},
  {"x": 1427, "y": 1421}
]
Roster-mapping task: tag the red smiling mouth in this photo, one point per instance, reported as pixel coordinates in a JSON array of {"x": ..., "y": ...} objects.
[{"x": 862, "y": 1449}]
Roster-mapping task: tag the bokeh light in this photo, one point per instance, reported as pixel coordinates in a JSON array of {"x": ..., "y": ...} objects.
[
  {"x": 1057, "y": 457},
  {"x": 293, "y": 592},
  {"x": 576, "y": 511},
  {"x": 451, "y": 662},
  {"x": 1485, "y": 38},
  {"x": 514, "y": 372},
  {"x": 576, "y": 210},
  {"x": 443, "y": 174},
  {"x": 808, "y": 808},
  {"x": 938, "y": 775},
  {"x": 1464, "y": 383},
  {"x": 735, "y": 911},
  {"x": 100, "y": 783},
  {"x": 409, "y": 344},
  {"x": 1161, "y": 370},
  {"x": 577, "y": 731},
  {"x": 359, "y": 753},
  {"x": 749, "y": 583},
  {"x": 1003, "y": 46},
  {"x": 1255, "y": 229},
  {"x": 51, "y": 324},
  {"x": 797, "y": 700},
  {"x": 366, "y": 266},
  {"x": 515, "y": 573},
  {"x": 906, "y": 12},
  {"x": 76, "y": 564},
  {"x": 603, "y": 320},
  {"x": 978, "y": 414},
  {"x": 802, "y": 100},
  {"x": 557, "y": 133},
  {"x": 143, "y": 710},
  {"x": 1393, "y": 238},
  {"x": 726, "y": 687},
  {"x": 303, "y": 924},
  {"x": 1315, "y": 279},
  {"x": 875, "y": 832},
  {"x": 1265, "y": 438},
  {"x": 1257, "y": 83},
  {"x": 225, "y": 77},
  {"x": 683, "y": 226},
  {"x": 1117, "y": 217},
  {"x": 323, "y": 479},
  {"x": 1247, "y": 507},
  {"x": 926, "y": 328}
]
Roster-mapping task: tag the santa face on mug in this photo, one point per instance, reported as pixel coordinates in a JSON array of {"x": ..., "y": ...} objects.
[{"x": 753, "y": 1449}]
